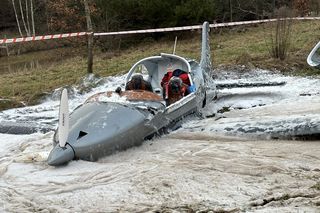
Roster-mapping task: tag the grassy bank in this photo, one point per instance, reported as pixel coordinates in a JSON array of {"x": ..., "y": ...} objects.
[
  {"x": 236, "y": 46},
  {"x": 250, "y": 47}
]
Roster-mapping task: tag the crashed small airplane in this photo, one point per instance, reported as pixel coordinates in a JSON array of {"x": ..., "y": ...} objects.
[{"x": 117, "y": 120}]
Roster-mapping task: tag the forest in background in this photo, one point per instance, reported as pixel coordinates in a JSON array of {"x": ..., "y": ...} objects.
[{"x": 57, "y": 16}]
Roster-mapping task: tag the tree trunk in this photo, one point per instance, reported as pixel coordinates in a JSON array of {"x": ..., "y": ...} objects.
[
  {"x": 23, "y": 21},
  {"x": 90, "y": 37},
  {"x": 47, "y": 15},
  {"x": 257, "y": 9},
  {"x": 15, "y": 13},
  {"x": 27, "y": 16},
  {"x": 231, "y": 12},
  {"x": 32, "y": 18}
]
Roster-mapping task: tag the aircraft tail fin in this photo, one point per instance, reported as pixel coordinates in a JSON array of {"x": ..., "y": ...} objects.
[
  {"x": 205, "y": 61},
  {"x": 206, "y": 65}
]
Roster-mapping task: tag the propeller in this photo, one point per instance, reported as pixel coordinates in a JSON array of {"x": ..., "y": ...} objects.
[{"x": 63, "y": 119}]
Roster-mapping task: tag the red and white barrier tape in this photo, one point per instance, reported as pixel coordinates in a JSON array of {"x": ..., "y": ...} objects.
[
  {"x": 169, "y": 29},
  {"x": 41, "y": 38},
  {"x": 258, "y": 22}
]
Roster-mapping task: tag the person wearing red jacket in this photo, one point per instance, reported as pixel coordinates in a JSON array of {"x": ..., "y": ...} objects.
[{"x": 175, "y": 85}]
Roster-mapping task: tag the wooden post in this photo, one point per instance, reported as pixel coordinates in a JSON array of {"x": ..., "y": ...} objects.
[
  {"x": 7, "y": 48},
  {"x": 90, "y": 37}
]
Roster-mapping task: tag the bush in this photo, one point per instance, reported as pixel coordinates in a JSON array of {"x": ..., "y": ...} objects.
[{"x": 279, "y": 39}]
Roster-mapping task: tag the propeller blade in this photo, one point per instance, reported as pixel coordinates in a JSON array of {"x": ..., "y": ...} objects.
[{"x": 63, "y": 119}]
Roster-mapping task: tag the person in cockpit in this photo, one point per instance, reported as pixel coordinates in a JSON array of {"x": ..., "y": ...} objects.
[
  {"x": 138, "y": 83},
  {"x": 175, "y": 86}
]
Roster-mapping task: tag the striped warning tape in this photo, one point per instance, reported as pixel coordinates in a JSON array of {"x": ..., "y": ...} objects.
[
  {"x": 40, "y": 38},
  {"x": 259, "y": 22},
  {"x": 169, "y": 29}
]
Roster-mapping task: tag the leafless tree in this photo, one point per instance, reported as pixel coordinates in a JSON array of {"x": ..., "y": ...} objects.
[
  {"x": 27, "y": 15},
  {"x": 25, "y": 11},
  {"x": 23, "y": 19},
  {"x": 17, "y": 19},
  {"x": 32, "y": 18}
]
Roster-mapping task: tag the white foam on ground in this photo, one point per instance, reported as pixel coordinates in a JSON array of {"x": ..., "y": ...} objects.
[
  {"x": 190, "y": 169},
  {"x": 47, "y": 112}
]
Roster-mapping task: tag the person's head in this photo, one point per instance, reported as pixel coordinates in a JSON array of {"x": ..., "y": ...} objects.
[
  {"x": 137, "y": 81},
  {"x": 175, "y": 84},
  {"x": 137, "y": 77}
]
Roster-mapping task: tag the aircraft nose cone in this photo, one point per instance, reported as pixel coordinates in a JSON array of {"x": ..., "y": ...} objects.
[{"x": 60, "y": 155}]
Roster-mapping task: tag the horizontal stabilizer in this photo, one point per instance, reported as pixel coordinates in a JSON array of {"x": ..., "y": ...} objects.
[
  {"x": 248, "y": 84},
  {"x": 7, "y": 127}
]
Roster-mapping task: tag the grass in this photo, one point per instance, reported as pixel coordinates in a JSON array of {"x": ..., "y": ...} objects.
[
  {"x": 241, "y": 45},
  {"x": 230, "y": 48}
]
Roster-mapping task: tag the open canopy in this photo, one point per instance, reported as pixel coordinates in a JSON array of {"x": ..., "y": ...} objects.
[
  {"x": 157, "y": 66},
  {"x": 314, "y": 56}
]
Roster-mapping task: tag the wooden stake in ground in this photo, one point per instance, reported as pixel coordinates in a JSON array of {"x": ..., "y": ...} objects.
[{"x": 90, "y": 37}]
